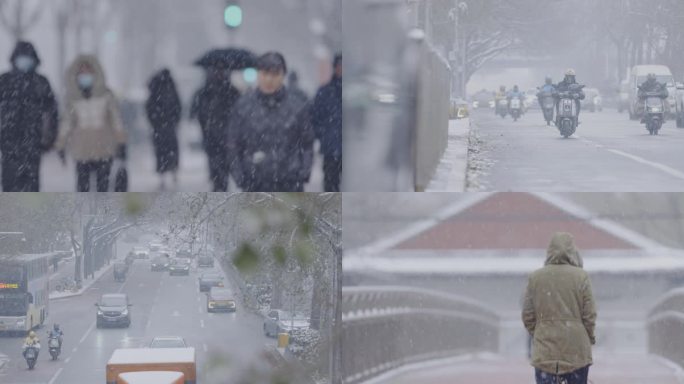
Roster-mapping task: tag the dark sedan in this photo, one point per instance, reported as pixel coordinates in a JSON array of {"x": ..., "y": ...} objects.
[
  {"x": 179, "y": 267},
  {"x": 159, "y": 263}
]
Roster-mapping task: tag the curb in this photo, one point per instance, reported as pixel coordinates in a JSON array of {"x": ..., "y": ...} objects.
[{"x": 451, "y": 174}]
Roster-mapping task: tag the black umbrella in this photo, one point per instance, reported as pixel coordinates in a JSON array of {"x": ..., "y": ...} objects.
[{"x": 229, "y": 58}]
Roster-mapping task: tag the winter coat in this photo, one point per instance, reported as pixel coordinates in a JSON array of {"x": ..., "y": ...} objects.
[
  {"x": 272, "y": 141},
  {"x": 92, "y": 128},
  {"x": 559, "y": 310},
  {"x": 326, "y": 117},
  {"x": 28, "y": 110},
  {"x": 652, "y": 87},
  {"x": 212, "y": 106},
  {"x": 163, "y": 109},
  {"x": 564, "y": 86}
]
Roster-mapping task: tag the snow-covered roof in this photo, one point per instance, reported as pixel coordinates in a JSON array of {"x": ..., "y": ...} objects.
[
  {"x": 151, "y": 377},
  {"x": 152, "y": 355}
]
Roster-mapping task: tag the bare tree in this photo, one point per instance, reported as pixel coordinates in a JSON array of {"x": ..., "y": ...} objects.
[{"x": 17, "y": 17}]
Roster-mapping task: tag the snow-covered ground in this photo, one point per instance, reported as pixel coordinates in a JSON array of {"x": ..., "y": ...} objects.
[
  {"x": 193, "y": 174},
  {"x": 451, "y": 172}
]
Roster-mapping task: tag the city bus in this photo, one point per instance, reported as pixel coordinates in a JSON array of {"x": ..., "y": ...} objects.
[{"x": 24, "y": 289}]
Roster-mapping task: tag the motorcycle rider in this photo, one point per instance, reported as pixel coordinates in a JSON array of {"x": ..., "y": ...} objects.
[
  {"x": 515, "y": 93},
  {"x": 654, "y": 88},
  {"x": 56, "y": 332},
  {"x": 31, "y": 341},
  {"x": 500, "y": 95},
  {"x": 565, "y": 86},
  {"x": 547, "y": 88}
]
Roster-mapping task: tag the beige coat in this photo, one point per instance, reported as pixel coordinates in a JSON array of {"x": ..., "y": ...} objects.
[
  {"x": 559, "y": 310},
  {"x": 91, "y": 128}
]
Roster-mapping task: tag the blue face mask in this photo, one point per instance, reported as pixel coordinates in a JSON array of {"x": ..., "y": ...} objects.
[
  {"x": 24, "y": 63},
  {"x": 85, "y": 80}
]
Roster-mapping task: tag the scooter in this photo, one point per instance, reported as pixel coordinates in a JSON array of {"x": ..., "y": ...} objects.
[
  {"x": 31, "y": 355},
  {"x": 567, "y": 111},
  {"x": 502, "y": 108},
  {"x": 54, "y": 346},
  {"x": 547, "y": 107},
  {"x": 515, "y": 108},
  {"x": 654, "y": 114}
]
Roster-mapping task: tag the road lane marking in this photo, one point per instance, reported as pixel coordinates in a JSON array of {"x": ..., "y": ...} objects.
[
  {"x": 74, "y": 350},
  {"x": 202, "y": 323},
  {"x": 670, "y": 171},
  {"x": 92, "y": 325},
  {"x": 662, "y": 167},
  {"x": 199, "y": 309},
  {"x": 66, "y": 361},
  {"x": 54, "y": 377}
]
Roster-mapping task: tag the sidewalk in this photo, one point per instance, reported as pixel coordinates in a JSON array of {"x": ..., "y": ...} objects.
[
  {"x": 450, "y": 175},
  {"x": 67, "y": 269}
]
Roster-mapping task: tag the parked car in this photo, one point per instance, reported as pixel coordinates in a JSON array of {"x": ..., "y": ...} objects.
[
  {"x": 208, "y": 280},
  {"x": 220, "y": 299},
  {"x": 168, "y": 342},
  {"x": 593, "y": 101},
  {"x": 113, "y": 309},
  {"x": 279, "y": 321},
  {"x": 179, "y": 267},
  {"x": 679, "y": 96}
]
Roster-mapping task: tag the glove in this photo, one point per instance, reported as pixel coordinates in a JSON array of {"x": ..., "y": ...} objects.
[{"x": 121, "y": 152}]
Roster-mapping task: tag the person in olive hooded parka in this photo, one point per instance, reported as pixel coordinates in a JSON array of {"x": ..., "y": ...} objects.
[
  {"x": 164, "y": 113},
  {"x": 28, "y": 120},
  {"x": 560, "y": 314}
]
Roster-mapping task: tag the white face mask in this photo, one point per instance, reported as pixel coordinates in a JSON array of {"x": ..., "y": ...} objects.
[
  {"x": 85, "y": 80},
  {"x": 24, "y": 63}
]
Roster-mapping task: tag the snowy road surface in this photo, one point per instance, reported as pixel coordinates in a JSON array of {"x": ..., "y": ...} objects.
[
  {"x": 162, "y": 305},
  {"x": 608, "y": 153}
]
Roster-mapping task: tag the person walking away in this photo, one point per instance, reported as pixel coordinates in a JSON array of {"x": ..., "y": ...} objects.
[
  {"x": 270, "y": 134},
  {"x": 213, "y": 105},
  {"x": 28, "y": 120},
  {"x": 560, "y": 314},
  {"x": 92, "y": 130},
  {"x": 163, "y": 109},
  {"x": 326, "y": 117}
]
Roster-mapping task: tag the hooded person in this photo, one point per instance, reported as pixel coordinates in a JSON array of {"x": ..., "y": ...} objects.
[
  {"x": 163, "y": 109},
  {"x": 560, "y": 314},
  {"x": 326, "y": 117},
  {"x": 91, "y": 130},
  {"x": 213, "y": 106},
  {"x": 270, "y": 135},
  {"x": 28, "y": 120}
]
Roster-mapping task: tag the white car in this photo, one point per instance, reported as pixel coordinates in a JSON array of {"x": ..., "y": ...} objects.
[
  {"x": 168, "y": 342},
  {"x": 279, "y": 321}
]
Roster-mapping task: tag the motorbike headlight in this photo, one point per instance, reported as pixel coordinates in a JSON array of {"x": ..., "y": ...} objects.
[{"x": 124, "y": 312}]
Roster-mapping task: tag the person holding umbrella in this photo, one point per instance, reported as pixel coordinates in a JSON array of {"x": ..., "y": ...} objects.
[
  {"x": 270, "y": 133},
  {"x": 213, "y": 106},
  {"x": 163, "y": 109}
]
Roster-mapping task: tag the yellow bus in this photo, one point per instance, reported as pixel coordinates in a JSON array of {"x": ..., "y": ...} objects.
[{"x": 24, "y": 290}]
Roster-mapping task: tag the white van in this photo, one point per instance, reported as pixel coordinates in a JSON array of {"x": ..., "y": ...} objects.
[{"x": 638, "y": 76}]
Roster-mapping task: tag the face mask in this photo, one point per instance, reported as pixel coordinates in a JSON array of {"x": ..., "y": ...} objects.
[
  {"x": 85, "y": 80},
  {"x": 24, "y": 63}
]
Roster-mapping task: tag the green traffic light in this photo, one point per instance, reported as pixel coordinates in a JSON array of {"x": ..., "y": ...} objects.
[{"x": 232, "y": 16}]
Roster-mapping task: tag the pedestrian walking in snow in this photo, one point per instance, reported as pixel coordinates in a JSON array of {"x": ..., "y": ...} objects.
[
  {"x": 28, "y": 120},
  {"x": 326, "y": 117},
  {"x": 270, "y": 135},
  {"x": 560, "y": 314},
  {"x": 91, "y": 130},
  {"x": 163, "y": 109}
]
